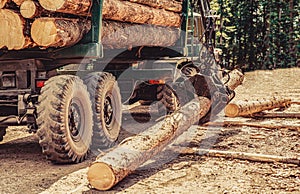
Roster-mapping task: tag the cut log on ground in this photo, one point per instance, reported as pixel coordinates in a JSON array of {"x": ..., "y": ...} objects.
[
  {"x": 123, "y": 35},
  {"x": 76, "y": 7},
  {"x": 112, "y": 167},
  {"x": 238, "y": 155},
  {"x": 58, "y": 32},
  {"x": 257, "y": 125},
  {"x": 12, "y": 27},
  {"x": 30, "y": 9},
  {"x": 244, "y": 108},
  {"x": 233, "y": 79},
  {"x": 170, "y": 5},
  {"x": 125, "y": 11}
]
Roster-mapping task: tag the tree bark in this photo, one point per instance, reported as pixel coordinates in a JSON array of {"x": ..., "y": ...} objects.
[
  {"x": 117, "y": 35},
  {"x": 257, "y": 125},
  {"x": 125, "y": 11},
  {"x": 244, "y": 108},
  {"x": 58, "y": 32},
  {"x": 170, "y": 5},
  {"x": 239, "y": 155},
  {"x": 112, "y": 167},
  {"x": 12, "y": 34},
  {"x": 76, "y": 7},
  {"x": 30, "y": 9}
]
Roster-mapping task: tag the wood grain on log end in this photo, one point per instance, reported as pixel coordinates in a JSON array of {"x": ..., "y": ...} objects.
[
  {"x": 52, "y": 5},
  {"x": 58, "y": 32},
  {"x": 101, "y": 176},
  {"x": 12, "y": 30},
  {"x": 231, "y": 110},
  {"x": 75, "y": 7},
  {"x": 28, "y": 9}
]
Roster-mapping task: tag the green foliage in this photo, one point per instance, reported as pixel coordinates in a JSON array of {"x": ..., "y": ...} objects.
[{"x": 259, "y": 34}]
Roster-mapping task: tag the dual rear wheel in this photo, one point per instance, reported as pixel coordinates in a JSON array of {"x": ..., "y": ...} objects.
[{"x": 70, "y": 111}]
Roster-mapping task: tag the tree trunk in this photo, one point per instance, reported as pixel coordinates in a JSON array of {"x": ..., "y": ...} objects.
[
  {"x": 30, "y": 9},
  {"x": 76, "y": 7},
  {"x": 244, "y": 108},
  {"x": 170, "y": 5},
  {"x": 112, "y": 167},
  {"x": 125, "y": 11},
  {"x": 239, "y": 155},
  {"x": 58, "y": 32},
  {"x": 117, "y": 35},
  {"x": 12, "y": 34}
]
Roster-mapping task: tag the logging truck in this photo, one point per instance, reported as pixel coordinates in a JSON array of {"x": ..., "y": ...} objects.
[{"x": 67, "y": 67}]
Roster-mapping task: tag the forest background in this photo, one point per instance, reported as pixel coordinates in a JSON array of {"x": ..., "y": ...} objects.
[{"x": 258, "y": 34}]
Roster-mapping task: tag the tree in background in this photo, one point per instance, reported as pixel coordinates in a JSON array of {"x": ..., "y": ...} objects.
[{"x": 258, "y": 34}]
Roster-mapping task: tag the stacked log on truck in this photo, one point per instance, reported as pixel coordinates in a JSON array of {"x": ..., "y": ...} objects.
[{"x": 62, "y": 23}]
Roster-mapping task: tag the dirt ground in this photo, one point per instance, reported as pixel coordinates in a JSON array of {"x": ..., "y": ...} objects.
[{"x": 25, "y": 170}]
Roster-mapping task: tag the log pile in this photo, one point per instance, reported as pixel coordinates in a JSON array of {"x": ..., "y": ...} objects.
[{"x": 61, "y": 23}]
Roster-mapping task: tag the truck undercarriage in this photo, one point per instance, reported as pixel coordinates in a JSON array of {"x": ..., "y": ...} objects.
[{"x": 69, "y": 96}]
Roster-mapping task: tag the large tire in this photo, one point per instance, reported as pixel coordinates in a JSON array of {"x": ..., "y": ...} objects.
[
  {"x": 2, "y": 132},
  {"x": 65, "y": 119},
  {"x": 107, "y": 108},
  {"x": 168, "y": 101}
]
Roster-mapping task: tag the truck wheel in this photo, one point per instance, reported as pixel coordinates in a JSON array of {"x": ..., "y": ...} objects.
[
  {"x": 65, "y": 119},
  {"x": 107, "y": 108},
  {"x": 2, "y": 132},
  {"x": 168, "y": 101}
]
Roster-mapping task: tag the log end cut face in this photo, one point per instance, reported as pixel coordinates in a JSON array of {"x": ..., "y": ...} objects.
[
  {"x": 101, "y": 176},
  {"x": 44, "y": 32},
  {"x": 52, "y": 5},
  {"x": 58, "y": 32},
  {"x": 231, "y": 110},
  {"x": 12, "y": 30},
  {"x": 28, "y": 9}
]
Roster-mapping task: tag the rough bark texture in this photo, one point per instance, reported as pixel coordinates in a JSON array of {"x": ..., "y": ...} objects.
[
  {"x": 125, "y": 11},
  {"x": 76, "y": 7},
  {"x": 112, "y": 167},
  {"x": 244, "y": 108},
  {"x": 170, "y": 5},
  {"x": 30, "y": 9},
  {"x": 58, "y": 32},
  {"x": 12, "y": 27},
  {"x": 240, "y": 155},
  {"x": 123, "y": 35}
]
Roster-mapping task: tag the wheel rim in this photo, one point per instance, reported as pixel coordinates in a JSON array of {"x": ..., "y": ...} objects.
[
  {"x": 75, "y": 120},
  {"x": 108, "y": 113}
]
